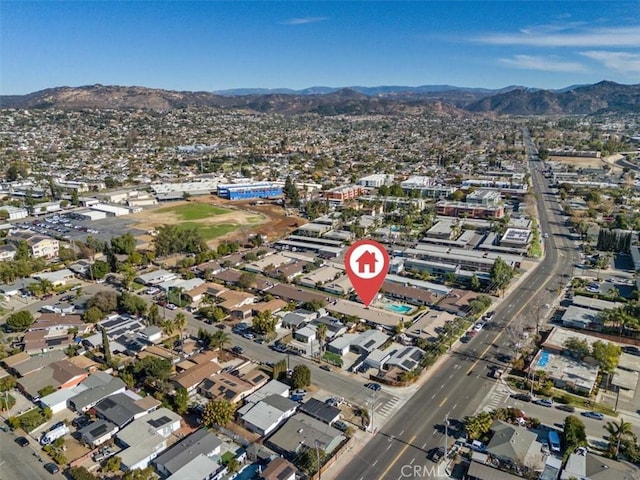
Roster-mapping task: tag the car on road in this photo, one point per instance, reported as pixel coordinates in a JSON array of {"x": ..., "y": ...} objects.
[
  {"x": 221, "y": 326},
  {"x": 279, "y": 347},
  {"x": 478, "y": 326},
  {"x": 490, "y": 314},
  {"x": 171, "y": 306},
  {"x": 22, "y": 441},
  {"x": 259, "y": 341},
  {"x": 631, "y": 350},
  {"x": 373, "y": 386},
  {"x": 545, "y": 402},
  {"x": 248, "y": 336},
  {"x": 51, "y": 468},
  {"x": 504, "y": 358},
  {"x": 595, "y": 415},
  {"x": 300, "y": 391},
  {"x": 238, "y": 350},
  {"x": 546, "y": 235},
  {"x": 333, "y": 401},
  {"x": 566, "y": 408},
  {"x": 436, "y": 454},
  {"x": 325, "y": 367}
]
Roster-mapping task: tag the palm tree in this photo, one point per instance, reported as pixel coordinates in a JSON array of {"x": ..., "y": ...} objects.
[
  {"x": 220, "y": 339},
  {"x": 616, "y": 432},
  {"x": 180, "y": 322},
  {"x": 321, "y": 331}
]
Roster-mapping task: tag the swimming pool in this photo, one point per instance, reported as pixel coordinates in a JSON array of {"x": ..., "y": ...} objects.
[
  {"x": 399, "y": 308},
  {"x": 250, "y": 472},
  {"x": 544, "y": 359}
]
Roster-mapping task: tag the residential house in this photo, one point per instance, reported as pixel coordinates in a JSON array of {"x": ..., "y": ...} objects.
[
  {"x": 268, "y": 414},
  {"x": 41, "y": 341},
  {"x": 146, "y": 437},
  {"x": 583, "y": 464},
  {"x": 119, "y": 409},
  {"x": 320, "y": 411},
  {"x": 406, "y": 358},
  {"x": 200, "y": 468},
  {"x": 7, "y": 252},
  {"x": 99, "y": 385},
  {"x": 279, "y": 469},
  {"x": 302, "y": 431},
  {"x": 57, "y": 278},
  {"x": 39, "y": 245},
  {"x": 97, "y": 433},
  {"x": 226, "y": 386},
  {"x": 482, "y": 471},
  {"x": 201, "y": 442},
  {"x": 514, "y": 445},
  {"x": 56, "y": 323},
  {"x": 194, "y": 376},
  {"x": 273, "y": 387},
  {"x": 297, "y": 318}
]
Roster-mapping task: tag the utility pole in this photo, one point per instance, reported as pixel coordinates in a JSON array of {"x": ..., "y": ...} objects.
[
  {"x": 317, "y": 445},
  {"x": 373, "y": 406},
  {"x": 446, "y": 434}
]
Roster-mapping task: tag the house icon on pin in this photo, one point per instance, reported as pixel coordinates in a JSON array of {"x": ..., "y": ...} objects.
[{"x": 367, "y": 261}]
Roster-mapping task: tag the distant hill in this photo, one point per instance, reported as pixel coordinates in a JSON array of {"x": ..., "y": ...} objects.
[{"x": 601, "y": 97}]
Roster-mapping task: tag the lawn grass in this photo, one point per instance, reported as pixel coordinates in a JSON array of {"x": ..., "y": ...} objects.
[
  {"x": 209, "y": 232},
  {"x": 195, "y": 211}
]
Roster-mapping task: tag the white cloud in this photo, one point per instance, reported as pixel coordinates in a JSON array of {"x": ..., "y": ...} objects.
[
  {"x": 622, "y": 62},
  {"x": 530, "y": 62},
  {"x": 595, "y": 37},
  {"x": 303, "y": 20}
]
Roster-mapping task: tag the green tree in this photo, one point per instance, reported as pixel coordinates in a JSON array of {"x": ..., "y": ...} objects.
[
  {"x": 111, "y": 464},
  {"x": 220, "y": 339},
  {"x": 153, "y": 315},
  {"x": 579, "y": 347},
  {"x": 218, "y": 412},
  {"x": 172, "y": 239},
  {"x": 124, "y": 244},
  {"x": 291, "y": 192},
  {"x": 321, "y": 332},
  {"x": 264, "y": 323},
  {"x": 106, "y": 349},
  {"x": 23, "y": 252},
  {"x": 607, "y": 355},
  {"x": 474, "y": 283},
  {"x": 140, "y": 474},
  {"x": 93, "y": 315},
  {"x": 81, "y": 473},
  {"x": 105, "y": 300},
  {"x": 246, "y": 280},
  {"x": 574, "y": 433},
  {"x": 279, "y": 369},
  {"x": 100, "y": 269},
  {"x": 478, "y": 425},
  {"x": 617, "y": 432},
  {"x": 133, "y": 304},
  {"x": 48, "y": 390},
  {"x": 19, "y": 321},
  {"x": 501, "y": 274},
  {"x": 180, "y": 321},
  {"x": 7, "y": 383},
  {"x": 301, "y": 376},
  {"x": 181, "y": 400}
]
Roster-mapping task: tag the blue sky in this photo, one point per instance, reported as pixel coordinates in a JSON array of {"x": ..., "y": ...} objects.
[{"x": 211, "y": 45}]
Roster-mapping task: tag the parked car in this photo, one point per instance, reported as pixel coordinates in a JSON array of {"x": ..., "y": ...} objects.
[
  {"x": 325, "y": 367},
  {"x": 490, "y": 314},
  {"x": 171, "y": 306},
  {"x": 22, "y": 441},
  {"x": 595, "y": 415},
  {"x": 300, "y": 391},
  {"x": 51, "y": 468},
  {"x": 436, "y": 454},
  {"x": 238, "y": 350},
  {"x": 566, "y": 408},
  {"x": 631, "y": 350},
  {"x": 478, "y": 326},
  {"x": 373, "y": 386},
  {"x": 523, "y": 397},
  {"x": 333, "y": 401},
  {"x": 340, "y": 425},
  {"x": 545, "y": 402}
]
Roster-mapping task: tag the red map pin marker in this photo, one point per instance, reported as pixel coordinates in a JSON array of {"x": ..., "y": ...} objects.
[{"x": 367, "y": 264}]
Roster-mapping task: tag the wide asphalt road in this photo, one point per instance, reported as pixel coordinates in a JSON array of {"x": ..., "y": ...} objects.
[{"x": 460, "y": 383}]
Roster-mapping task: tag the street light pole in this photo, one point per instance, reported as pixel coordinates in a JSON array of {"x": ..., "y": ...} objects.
[
  {"x": 446, "y": 434},
  {"x": 317, "y": 445}
]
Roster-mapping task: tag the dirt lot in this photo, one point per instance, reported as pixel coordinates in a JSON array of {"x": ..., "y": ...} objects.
[
  {"x": 580, "y": 162},
  {"x": 269, "y": 220}
]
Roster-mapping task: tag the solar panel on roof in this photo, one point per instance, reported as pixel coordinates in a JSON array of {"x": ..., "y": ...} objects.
[
  {"x": 403, "y": 353},
  {"x": 285, "y": 473},
  {"x": 416, "y": 355},
  {"x": 158, "y": 422},
  {"x": 99, "y": 430}
]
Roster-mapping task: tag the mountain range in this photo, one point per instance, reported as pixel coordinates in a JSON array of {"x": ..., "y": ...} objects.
[{"x": 599, "y": 98}]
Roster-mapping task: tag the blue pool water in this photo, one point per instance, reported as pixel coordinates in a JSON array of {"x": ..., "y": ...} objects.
[
  {"x": 250, "y": 472},
  {"x": 544, "y": 359},
  {"x": 393, "y": 228},
  {"x": 399, "y": 308}
]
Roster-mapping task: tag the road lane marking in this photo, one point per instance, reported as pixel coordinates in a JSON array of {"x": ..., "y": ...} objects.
[
  {"x": 454, "y": 407},
  {"x": 433, "y": 396},
  {"x": 443, "y": 402},
  {"x": 435, "y": 432},
  {"x": 374, "y": 463},
  {"x": 412, "y": 460},
  {"x": 397, "y": 457}
]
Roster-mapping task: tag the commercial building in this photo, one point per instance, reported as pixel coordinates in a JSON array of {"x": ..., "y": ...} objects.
[
  {"x": 473, "y": 210},
  {"x": 376, "y": 180},
  {"x": 40, "y": 246},
  {"x": 14, "y": 213},
  {"x": 247, "y": 191},
  {"x": 342, "y": 193}
]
